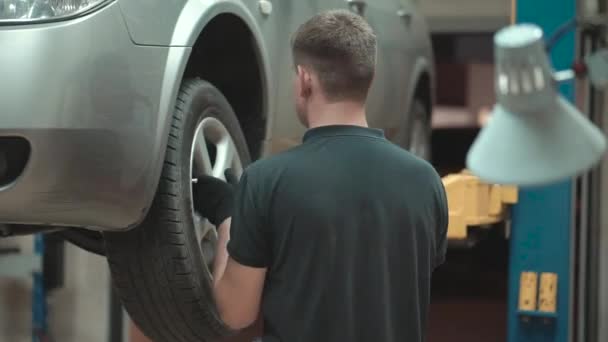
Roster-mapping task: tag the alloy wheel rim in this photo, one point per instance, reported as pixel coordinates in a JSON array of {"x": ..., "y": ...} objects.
[{"x": 213, "y": 151}]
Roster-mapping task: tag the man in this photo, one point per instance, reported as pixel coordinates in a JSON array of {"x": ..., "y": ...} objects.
[{"x": 334, "y": 240}]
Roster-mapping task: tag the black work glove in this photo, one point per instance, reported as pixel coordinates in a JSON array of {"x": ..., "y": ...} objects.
[{"x": 214, "y": 198}]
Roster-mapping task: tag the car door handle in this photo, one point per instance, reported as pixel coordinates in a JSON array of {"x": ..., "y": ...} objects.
[{"x": 357, "y": 6}]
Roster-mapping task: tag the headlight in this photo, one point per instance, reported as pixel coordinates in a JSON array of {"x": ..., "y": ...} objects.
[{"x": 24, "y": 11}]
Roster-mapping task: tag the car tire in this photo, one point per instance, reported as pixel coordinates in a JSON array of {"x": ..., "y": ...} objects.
[
  {"x": 420, "y": 130},
  {"x": 159, "y": 269}
]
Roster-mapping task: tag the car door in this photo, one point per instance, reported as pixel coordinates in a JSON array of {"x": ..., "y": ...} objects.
[
  {"x": 387, "y": 102},
  {"x": 286, "y": 130},
  {"x": 386, "y": 105}
]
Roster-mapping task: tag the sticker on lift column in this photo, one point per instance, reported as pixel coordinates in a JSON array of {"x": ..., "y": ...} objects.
[
  {"x": 527, "y": 291},
  {"x": 547, "y": 297}
]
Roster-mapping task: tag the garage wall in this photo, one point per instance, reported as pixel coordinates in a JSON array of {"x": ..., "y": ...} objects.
[
  {"x": 466, "y": 15},
  {"x": 77, "y": 312}
]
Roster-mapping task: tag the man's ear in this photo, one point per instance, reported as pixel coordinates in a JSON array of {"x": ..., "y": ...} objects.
[{"x": 305, "y": 81}]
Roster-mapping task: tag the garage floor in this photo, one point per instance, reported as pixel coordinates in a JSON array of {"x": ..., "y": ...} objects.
[
  {"x": 484, "y": 321},
  {"x": 469, "y": 299}
]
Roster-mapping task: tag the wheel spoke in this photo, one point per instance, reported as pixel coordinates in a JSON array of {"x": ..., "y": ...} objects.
[
  {"x": 202, "y": 226},
  {"x": 237, "y": 167},
  {"x": 199, "y": 223},
  {"x": 211, "y": 234},
  {"x": 207, "y": 229},
  {"x": 202, "y": 161},
  {"x": 208, "y": 243},
  {"x": 226, "y": 152}
]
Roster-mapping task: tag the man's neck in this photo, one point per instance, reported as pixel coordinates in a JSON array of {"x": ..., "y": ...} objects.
[{"x": 338, "y": 113}]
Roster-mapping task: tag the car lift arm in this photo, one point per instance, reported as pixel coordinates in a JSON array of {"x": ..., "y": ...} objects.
[{"x": 472, "y": 202}]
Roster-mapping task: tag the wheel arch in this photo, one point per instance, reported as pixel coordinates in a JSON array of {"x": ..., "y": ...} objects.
[
  {"x": 237, "y": 69},
  {"x": 422, "y": 85},
  {"x": 195, "y": 22},
  {"x": 195, "y": 17}
]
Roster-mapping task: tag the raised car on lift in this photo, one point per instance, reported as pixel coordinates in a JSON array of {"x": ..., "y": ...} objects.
[{"x": 110, "y": 108}]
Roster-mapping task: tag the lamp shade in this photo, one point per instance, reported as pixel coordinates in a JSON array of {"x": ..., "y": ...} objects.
[{"x": 534, "y": 136}]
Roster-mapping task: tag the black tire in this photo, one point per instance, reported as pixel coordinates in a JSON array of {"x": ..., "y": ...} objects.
[
  {"x": 420, "y": 130},
  {"x": 158, "y": 268}
]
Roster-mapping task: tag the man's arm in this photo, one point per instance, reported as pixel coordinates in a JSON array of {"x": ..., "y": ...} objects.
[
  {"x": 443, "y": 221},
  {"x": 237, "y": 288}
]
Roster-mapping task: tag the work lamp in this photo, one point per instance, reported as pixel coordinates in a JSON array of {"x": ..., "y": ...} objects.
[{"x": 534, "y": 136}]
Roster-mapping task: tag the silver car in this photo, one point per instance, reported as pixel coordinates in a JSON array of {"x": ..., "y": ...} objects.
[{"x": 110, "y": 109}]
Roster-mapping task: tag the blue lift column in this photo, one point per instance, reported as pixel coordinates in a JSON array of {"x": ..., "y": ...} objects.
[{"x": 540, "y": 254}]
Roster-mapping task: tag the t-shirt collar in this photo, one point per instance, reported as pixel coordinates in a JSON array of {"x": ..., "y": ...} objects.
[{"x": 341, "y": 130}]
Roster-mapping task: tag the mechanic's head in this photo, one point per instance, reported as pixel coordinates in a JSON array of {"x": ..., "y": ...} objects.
[{"x": 334, "y": 55}]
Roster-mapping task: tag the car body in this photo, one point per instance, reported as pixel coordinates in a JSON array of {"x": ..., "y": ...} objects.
[{"x": 92, "y": 95}]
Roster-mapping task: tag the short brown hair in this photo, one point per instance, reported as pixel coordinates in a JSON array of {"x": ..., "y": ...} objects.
[{"x": 340, "y": 47}]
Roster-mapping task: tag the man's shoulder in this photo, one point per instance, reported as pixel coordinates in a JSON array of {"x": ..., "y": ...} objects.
[
  {"x": 413, "y": 169},
  {"x": 411, "y": 161},
  {"x": 271, "y": 165}
]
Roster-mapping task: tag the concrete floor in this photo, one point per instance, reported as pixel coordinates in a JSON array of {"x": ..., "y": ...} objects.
[
  {"x": 469, "y": 295},
  {"x": 468, "y": 319}
]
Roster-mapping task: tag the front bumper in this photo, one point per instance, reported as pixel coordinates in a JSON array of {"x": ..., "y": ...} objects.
[{"x": 87, "y": 101}]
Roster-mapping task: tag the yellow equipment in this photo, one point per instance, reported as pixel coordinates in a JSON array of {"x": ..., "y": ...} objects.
[{"x": 472, "y": 202}]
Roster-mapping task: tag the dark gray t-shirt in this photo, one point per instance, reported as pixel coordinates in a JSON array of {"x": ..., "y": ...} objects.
[{"x": 350, "y": 227}]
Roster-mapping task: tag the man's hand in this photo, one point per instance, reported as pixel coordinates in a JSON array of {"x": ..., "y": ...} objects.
[
  {"x": 214, "y": 198},
  {"x": 237, "y": 288}
]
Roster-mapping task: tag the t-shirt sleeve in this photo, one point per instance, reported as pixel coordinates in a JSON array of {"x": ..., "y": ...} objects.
[
  {"x": 249, "y": 241},
  {"x": 443, "y": 218}
]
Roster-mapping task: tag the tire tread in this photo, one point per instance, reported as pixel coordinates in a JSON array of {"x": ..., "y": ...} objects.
[{"x": 153, "y": 265}]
